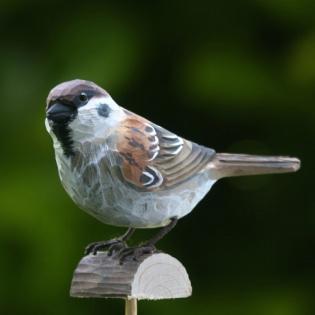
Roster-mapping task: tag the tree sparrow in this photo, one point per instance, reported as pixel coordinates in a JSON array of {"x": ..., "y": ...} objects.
[{"x": 127, "y": 171}]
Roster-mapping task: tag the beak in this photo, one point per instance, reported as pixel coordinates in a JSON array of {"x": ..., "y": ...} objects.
[{"x": 59, "y": 112}]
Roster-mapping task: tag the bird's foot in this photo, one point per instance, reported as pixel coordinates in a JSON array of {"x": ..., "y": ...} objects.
[
  {"x": 111, "y": 246},
  {"x": 135, "y": 253}
]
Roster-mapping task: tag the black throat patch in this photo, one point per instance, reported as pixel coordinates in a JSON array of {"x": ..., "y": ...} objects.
[{"x": 64, "y": 136}]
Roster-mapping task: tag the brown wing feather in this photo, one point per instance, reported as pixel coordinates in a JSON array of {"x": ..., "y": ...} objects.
[
  {"x": 138, "y": 145},
  {"x": 154, "y": 158}
]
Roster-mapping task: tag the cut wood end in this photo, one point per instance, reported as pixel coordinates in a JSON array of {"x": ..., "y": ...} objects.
[{"x": 156, "y": 276}]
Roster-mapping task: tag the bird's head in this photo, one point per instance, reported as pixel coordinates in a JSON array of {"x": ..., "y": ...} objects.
[{"x": 80, "y": 110}]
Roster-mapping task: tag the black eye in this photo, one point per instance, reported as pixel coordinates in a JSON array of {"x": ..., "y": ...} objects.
[{"x": 83, "y": 97}]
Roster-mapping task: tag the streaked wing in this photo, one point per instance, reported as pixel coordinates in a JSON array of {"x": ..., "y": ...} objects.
[{"x": 154, "y": 158}]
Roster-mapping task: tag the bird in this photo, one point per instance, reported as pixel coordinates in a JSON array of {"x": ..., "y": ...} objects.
[{"x": 127, "y": 171}]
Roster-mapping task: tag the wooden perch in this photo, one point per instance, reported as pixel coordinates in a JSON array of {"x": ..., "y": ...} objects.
[{"x": 155, "y": 276}]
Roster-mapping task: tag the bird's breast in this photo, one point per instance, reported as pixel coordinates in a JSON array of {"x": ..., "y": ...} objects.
[{"x": 84, "y": 173}]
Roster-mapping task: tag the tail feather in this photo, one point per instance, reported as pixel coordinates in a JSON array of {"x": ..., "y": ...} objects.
[{"x": 225, "y": 164}]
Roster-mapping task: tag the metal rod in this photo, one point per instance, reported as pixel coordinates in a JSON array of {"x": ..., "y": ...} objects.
[{"x": 131, "y": 307}]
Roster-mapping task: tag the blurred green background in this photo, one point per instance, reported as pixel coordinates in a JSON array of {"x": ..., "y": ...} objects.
[{"x": 238, "y": 76}]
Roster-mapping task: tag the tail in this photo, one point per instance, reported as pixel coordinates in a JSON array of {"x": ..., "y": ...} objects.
[{"x": 226, "y": 165}]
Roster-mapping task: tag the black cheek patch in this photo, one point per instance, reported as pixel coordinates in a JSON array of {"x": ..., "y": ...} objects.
[{"x": 104, "y": 110}]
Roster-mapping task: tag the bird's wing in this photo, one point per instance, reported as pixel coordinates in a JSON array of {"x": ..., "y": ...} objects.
[{"x": 153, "y": 158}]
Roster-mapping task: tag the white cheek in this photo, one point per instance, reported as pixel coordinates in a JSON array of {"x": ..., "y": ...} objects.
[
  {"x": 89, "y": 124},
  {"x": 83, "y": 126}
]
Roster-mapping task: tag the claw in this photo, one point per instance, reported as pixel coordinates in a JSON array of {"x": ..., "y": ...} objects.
[
  {"x": 135, "y": 253},
  {"x": 111, "y": 245},
  {"x": 116, "y": 247}
]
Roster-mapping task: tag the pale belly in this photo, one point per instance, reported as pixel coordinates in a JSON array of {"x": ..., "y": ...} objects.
[{"x": 114, "y": 202}]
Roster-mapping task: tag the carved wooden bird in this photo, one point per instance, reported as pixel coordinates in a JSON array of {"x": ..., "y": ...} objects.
[{"x": 127, "y": 171}]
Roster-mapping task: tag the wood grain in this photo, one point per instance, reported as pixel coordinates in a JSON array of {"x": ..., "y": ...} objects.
[{"x": 156, "y": 276}]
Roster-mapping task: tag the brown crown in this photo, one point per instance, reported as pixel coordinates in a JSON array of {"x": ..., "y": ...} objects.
[{"x": 68, "y": 90}]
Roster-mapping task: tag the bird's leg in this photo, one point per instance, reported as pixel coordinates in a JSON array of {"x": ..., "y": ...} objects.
[
  {"x": 162, "y": 232},
  {"x": 147, "y": 247},
  {"x": 115, "y": 244}
]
